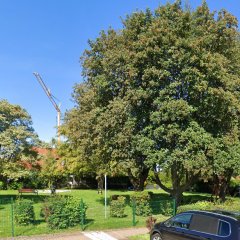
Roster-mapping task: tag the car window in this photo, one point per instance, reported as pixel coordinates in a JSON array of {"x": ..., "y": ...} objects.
[
  {"x": 181, "y": 220},
  {"x": 224, "y": 228},
  {"x": 204, "y": 223}
]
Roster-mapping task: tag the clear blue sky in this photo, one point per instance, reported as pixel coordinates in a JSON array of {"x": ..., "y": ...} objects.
[{"x": 49, "y": 36}]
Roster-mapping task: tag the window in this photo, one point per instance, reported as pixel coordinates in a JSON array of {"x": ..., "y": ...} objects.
[
  {"x": 224, "y": 229},
  {"x": 204, "y": 223},
  {"x": 181, "y": 221}
]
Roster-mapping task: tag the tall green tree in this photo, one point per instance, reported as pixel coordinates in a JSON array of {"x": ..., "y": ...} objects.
[
  {"x": 163, "y": 90},
  {"x": 16, "y": 140}
]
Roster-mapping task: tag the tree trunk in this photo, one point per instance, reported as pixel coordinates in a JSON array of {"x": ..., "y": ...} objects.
[
  {"x": 138, "y": 181},
  {"x": 178, "y": 196},
  {"x": 178, "y": 184},
  {"x": 224, "y": 185}
]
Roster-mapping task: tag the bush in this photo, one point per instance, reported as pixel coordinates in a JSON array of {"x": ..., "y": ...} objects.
[
  {"x": 2, "y": 185},
  {"x": 166, "y": 207},
  {"x": 63, "y": 212},
  {"x": 15, "y": 185},
  {"x": 234, "y": 187},
  {"x": 229, "y": 205},
  {"x": 142, "y": 203},
  {"x": 201, "y": 205},
  {"x": 24, "y": 212},
  {"x": 117, "y": 207}
]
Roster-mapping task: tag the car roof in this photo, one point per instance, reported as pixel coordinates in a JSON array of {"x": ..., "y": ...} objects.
[{"x": 223, "y": 213}]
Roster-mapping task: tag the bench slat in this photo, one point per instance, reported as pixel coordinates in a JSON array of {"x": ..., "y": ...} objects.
[{"x": 27, "y": 190}]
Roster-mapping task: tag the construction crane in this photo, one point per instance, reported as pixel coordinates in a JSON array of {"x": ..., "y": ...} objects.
[{"x": 51, "y": 98}]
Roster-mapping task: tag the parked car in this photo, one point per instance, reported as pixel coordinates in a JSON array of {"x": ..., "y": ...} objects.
[{"x": 212, "y": 225}]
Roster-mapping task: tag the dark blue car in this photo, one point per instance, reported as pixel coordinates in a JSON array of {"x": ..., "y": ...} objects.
[{"x": 214, "y": 225}]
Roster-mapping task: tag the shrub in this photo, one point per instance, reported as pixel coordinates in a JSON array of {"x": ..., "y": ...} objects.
[
  {"x": 201, "y": 205},
  {"x": 24, "y": 212},
  {"x": 229, "y": 205},
  {"x": 63, "y": 212},
  {"x": 15, "y": 185},
  {"x": 142, "y": 203},
  {"x": 166, "y": 207},
  {"x": 234, "y": 187},
  {"x": 1, "y": 185},
  {"x": 117, "y": 207}
]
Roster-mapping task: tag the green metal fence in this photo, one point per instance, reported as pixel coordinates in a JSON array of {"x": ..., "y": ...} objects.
[
  {"x": 7, "y": 217},
  {"x": 100, "y": 217},
  {"x": 159, "y": 209},
  {"x": 95, "y": 217}
]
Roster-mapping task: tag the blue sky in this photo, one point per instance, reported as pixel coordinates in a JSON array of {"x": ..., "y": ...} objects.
[{"x": 49, "y": 36}]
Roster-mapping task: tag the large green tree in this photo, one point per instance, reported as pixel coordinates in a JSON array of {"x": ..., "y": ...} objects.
[
  {"x": 163, "y": 90},
  {"x": 16, "y": 140}
]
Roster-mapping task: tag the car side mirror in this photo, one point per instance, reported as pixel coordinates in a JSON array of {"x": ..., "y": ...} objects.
[{"x": 168, "y": 224}]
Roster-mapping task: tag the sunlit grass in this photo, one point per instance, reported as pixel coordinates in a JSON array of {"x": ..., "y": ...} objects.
[{"x": 95, "y": 219}]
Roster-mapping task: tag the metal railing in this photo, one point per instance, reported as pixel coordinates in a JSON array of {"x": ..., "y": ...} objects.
[{"x": 95, "y": 217}]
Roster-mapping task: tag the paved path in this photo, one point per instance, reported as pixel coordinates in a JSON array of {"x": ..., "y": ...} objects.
[{"x": 118, "y": 234}]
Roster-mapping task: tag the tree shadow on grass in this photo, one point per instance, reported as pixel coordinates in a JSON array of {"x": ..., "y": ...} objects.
[
  {"x": 21, "y": 230},
  {"x": 189, "y": 199},
  {"x": 114, "y": 197},
  {"x": 38, "y": 221},
  {"x": 6, "y": 199},
  {"x": 88, "y": 222}
]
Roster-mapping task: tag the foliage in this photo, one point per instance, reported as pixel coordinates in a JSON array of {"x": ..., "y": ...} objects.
[
  {"x": 95, "y": 218},
  {"x": 24, "y": 212},
  {"x": 117, "y": 207},
  {"x": 95, "y": 213},
  {"x": 235, "y": 182},
  {"x": 51, "y": 168},
  {"x": 162, "y": 91},
  {"x": 166, "y": 207},
  {"x": 234, "y": 187},
  {"x": 141, "y": 202},
  {"x": 2, "y": 185},
  {"x": 229, "y": 205},
  {"x": 16, "y": 140},
  {"x": 165, "y": 177},
  {"x": 63, "y": 212},
  {"x": 14, "y": 185}
]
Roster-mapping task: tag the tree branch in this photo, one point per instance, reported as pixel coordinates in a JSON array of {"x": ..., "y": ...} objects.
[{"x": 160, "y": 184}]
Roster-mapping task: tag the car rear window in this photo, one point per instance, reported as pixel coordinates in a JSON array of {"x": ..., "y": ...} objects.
[
  {"x": 224, "y": 228},
  {"x": 204, "y": 223}
]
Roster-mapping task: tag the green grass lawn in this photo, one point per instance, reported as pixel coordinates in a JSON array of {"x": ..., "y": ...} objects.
[
  {"x": 140, "y": 237},
  {"x": 95, "y": 213}
]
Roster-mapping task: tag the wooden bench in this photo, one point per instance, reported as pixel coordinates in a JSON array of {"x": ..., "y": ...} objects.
[{"x": 27, "y": 190}]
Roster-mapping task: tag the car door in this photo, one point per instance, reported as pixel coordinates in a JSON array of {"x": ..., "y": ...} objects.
[
  {"x": 179, "y": 234},
  {"x": 176, "y": 228},
  {"x": 209, "y": 227}
]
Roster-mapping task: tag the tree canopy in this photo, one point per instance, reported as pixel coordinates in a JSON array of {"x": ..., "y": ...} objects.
[
  {"x": 16, "y": 140},
  {"x": 164, "y": 91}
]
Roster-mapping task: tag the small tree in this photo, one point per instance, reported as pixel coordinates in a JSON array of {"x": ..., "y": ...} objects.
[{"x": 17, "y": 138}]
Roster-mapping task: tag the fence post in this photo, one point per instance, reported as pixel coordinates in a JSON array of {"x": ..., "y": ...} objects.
[
  {"x": 174, "y": 207},
  {"x": 12, "y": 217},
  {"x": 134, "y": 212},
  {"x": 82, "y": 209}
]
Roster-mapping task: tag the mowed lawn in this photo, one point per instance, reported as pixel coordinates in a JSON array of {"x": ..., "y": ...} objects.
[{"x": 96, "y": 217}]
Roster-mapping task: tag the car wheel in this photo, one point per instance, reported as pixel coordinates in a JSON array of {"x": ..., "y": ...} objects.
[{"x": 156, "y": 236}]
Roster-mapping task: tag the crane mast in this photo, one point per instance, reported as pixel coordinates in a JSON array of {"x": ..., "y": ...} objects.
[{"x": 51, "y": 98}]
